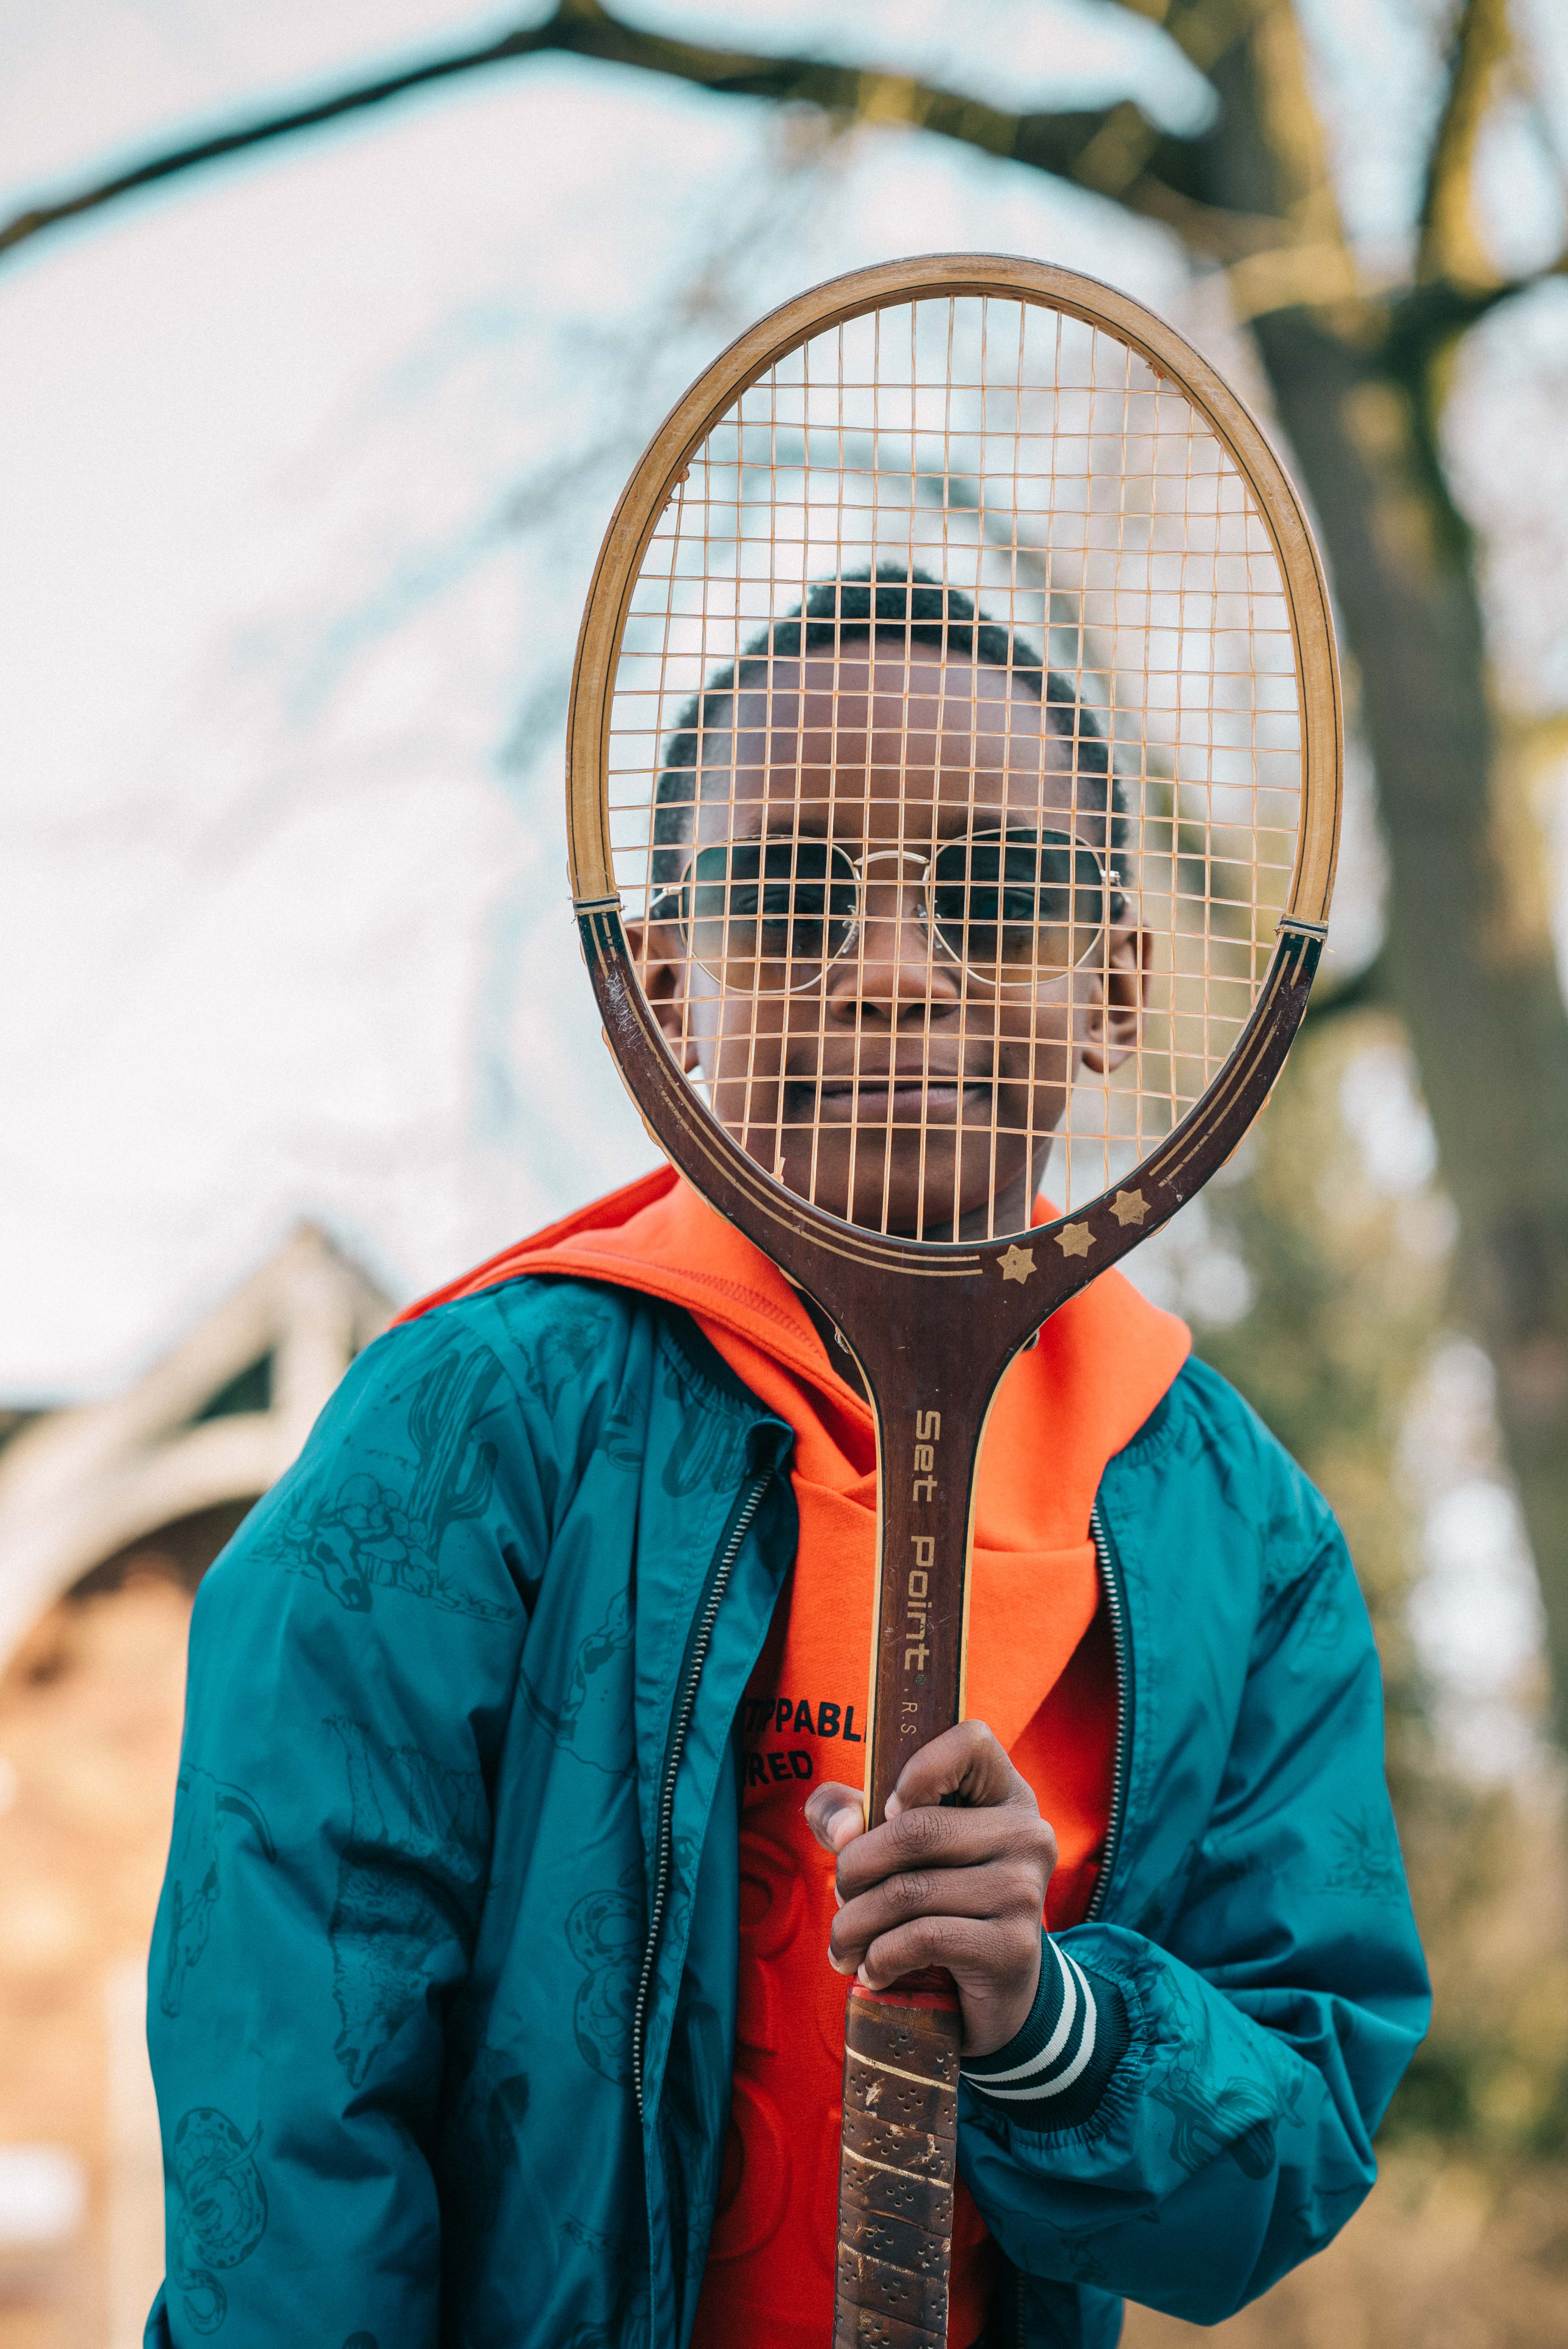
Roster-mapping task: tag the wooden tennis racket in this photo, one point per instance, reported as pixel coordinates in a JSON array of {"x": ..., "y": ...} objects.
[{"x": 894, "y": 916}]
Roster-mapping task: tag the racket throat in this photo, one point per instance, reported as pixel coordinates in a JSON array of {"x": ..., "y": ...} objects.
[{"x": 931, "y": 1409}]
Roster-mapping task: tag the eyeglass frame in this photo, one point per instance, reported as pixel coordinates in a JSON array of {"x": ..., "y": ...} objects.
[{"x": 1110, "y": 882}]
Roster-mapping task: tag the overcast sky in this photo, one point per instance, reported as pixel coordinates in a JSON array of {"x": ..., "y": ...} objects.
[
  {"x": 302, "y": 466},
  {"x": 282, "y": 916}
]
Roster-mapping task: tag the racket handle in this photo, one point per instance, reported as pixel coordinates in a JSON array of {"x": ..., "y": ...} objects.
[{"x": 897, "y": 2163}]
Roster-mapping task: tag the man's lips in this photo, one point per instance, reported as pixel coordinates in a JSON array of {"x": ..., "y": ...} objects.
[
  {"x": 878, "y": 1080},
  {"x": 867, "y": 1098}
]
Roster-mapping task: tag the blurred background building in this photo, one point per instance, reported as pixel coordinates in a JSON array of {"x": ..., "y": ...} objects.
[
  {"x": 307, "y": 448},
  {"x": 110, "y": 1514}
]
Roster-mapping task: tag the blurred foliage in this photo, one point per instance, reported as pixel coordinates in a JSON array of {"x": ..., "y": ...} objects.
[{"x": 1350, "y": 1290}]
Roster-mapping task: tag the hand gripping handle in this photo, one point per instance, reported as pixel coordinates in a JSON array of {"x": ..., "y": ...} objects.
[{"x": 897, "y": 2164}]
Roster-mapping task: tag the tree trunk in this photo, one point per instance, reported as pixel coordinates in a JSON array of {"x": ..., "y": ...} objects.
[{"x": 1473, "y": 973}]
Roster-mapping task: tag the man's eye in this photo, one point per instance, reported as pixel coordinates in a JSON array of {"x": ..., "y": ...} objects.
[
  {"x": 981, "y": 904},
  {"x": 803, "y": 903}
]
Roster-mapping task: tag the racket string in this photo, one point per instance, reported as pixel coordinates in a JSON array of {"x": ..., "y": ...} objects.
[{"x": 1083, "y": 508}]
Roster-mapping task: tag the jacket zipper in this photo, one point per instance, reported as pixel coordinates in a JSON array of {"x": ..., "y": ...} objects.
[
  {"x": 722, "y": 1568},
  {"x": 1116, "y": 1608}
]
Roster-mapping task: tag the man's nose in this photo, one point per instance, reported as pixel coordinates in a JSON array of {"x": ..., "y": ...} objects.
[{"x": 891, "y": 969}]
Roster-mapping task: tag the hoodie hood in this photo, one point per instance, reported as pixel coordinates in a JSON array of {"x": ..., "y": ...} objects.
[{"x": 1103, "y": 1362}]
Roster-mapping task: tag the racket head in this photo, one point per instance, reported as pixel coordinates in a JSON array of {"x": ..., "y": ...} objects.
[{"x": 1142, "y": 697}]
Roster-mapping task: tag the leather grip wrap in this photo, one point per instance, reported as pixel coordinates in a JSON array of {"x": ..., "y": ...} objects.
[{"x": 896, "y": 2167}]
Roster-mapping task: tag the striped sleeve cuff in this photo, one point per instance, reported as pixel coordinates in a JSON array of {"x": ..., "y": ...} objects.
[{"x": 1052, "y": 2074}]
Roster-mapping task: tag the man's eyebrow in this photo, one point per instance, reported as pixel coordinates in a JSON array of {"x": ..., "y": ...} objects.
[{"x": 787, "y": 823}]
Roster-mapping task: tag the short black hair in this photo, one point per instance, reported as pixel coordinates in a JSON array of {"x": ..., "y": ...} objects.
[{"x": 910, "y": 608}]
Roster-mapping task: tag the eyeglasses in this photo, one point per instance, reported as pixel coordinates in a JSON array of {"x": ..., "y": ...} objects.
[{"x": 1013, "y": 907}]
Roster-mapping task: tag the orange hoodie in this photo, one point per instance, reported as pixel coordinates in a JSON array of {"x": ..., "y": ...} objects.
[{"x": 1039, "y": 1670}]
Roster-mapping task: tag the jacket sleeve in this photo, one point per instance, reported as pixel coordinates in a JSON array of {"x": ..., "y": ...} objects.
[
  {"x": 353, "y": 1656},
  {"x": 1182, "y": 2122}
]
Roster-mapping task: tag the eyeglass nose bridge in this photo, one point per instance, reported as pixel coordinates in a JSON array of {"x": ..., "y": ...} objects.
[
  {"x": 860, "y": 866},
  {"x": 881, "y": 855}
]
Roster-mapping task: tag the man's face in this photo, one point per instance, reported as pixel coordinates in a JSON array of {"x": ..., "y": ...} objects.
[{"x": 897, "y": 1084}]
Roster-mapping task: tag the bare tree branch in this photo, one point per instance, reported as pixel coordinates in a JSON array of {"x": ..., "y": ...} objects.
[
  {"x": 176, "y": 160},
  {"x": 1113, "y": 151},
  {"x": 1450, "y": 247},
  {"x": 1456, "y": 282}
]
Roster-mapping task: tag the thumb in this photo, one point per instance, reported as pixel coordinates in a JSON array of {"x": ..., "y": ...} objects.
[
  {"x": 966, "y": 1766},
  {"x": 836, "y": 1814}
]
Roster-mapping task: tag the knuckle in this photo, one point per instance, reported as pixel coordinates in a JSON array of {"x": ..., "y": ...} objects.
[
  {"x": 849, "y": 1933},
  {"x": 911, "y": 1892},
  {"x": 1019, "y": 1888},
  {"x": 921, "y": 1830},
  {"x": 847, "y": 1875},
  {"x": 945, "y": 1936},
  {"x": 1043, "y": 1857}
]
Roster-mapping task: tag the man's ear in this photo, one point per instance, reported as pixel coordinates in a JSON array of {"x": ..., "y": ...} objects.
[
  {"x": 659, "y": 951},
  {"x": 1120, "y": 996}
]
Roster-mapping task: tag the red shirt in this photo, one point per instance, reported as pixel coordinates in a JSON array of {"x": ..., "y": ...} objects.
[{"x": 769, "y": 2278}]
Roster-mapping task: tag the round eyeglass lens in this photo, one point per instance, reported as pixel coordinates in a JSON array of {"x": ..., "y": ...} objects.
[
  {"x": 1018, "y": 905},
  {"x": 763, "y": 916}
]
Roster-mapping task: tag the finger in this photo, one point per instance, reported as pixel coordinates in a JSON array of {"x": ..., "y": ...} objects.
[
  {"x": 968, "y": 1762},
  {"x": 968, "y": 1948},
  {"x": 927, "y": 1838},
  {"x": 1005, "y": 1893},
  {"x": 835, "y": 1815}
]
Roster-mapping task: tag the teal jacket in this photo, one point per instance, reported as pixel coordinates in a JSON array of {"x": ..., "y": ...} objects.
[{"x": 443, "y": 1983}]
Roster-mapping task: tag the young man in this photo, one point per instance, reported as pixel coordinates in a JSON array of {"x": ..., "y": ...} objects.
[{"x": 518, "y": 1868}]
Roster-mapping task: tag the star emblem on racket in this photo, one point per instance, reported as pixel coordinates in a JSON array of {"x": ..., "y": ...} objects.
[
  {"x": 1075, "y": 1239},
  {"x": 1129, "y": 1208},
  {"x": 1017, "y": 1264}
]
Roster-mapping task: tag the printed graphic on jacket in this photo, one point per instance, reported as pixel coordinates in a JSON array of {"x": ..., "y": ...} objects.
[
  {"x": 1210, "y": 2117},
  {"x": 1367, "y": 1861},
  {"x": 480, "y": 2139},
  {"x": 604, "y": 1934},
  {"x": 372, "y": 1534},
  {"x": 707, "y": 1451},
  {"x": 210, "y": 1818},
  {"x": 707, "y": 1454},
  {"x": 620, "y": 2263},
  {"x": 593, "y": 1720},
  {"x": 223, "y": 2213},
  {"x": 407, "y": 1883},
  {"x": 565, "y": 1348}
]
